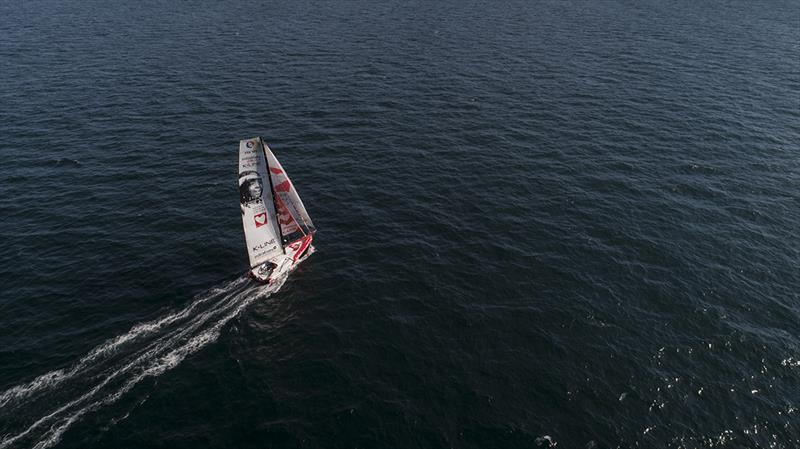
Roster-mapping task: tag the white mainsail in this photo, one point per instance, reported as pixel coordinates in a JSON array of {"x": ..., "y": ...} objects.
[
  {"x": 294, "y": 220},
  {"x": 261, "y": 230}
]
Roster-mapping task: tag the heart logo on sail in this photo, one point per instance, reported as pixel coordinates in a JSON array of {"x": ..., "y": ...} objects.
[{"x": 260, "y": 219}]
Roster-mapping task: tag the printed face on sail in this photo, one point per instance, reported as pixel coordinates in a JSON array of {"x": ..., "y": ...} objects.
[
  {"x": 255, "y": 188},
  {"x": 251, "y": 189}
]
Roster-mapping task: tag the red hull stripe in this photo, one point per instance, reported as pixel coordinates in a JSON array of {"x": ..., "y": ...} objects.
[{"x": 305, "y": 242}]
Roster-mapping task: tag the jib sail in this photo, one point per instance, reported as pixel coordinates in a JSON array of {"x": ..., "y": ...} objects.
[{"x": 292, "y": 216}]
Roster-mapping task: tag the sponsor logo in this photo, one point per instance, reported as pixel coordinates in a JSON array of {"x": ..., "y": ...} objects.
[
  {"x": 277, "y": 171},
  {"x": 249, "y": 145},
  {"x": 262, "y": 254},
  {"x": 260, "y": 219},
  {"x": 265, "y": 245}
]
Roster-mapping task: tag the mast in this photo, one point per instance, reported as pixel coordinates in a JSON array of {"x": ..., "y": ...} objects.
[{"x": 272, "y": 190}]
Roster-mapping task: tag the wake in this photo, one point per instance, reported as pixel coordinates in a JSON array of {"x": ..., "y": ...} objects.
[{"x": 37, "y": 413}]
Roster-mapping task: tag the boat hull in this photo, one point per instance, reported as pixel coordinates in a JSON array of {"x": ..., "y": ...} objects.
[{"x": 282, "y": 265}]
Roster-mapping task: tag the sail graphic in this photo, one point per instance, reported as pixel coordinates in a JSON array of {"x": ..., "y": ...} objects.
[
  {"x": 261, "y": 230},
  {"x": 292, "y": 216}
]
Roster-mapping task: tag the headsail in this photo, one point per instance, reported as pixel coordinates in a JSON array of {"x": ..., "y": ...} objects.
[
  {"x": 292, "y": 215},
  {"x": 261, "y": 230}
]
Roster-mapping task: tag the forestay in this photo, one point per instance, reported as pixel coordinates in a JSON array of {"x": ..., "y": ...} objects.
[
  {"x": 261, "y": 231},
  {"x": 292, "y": 215}
]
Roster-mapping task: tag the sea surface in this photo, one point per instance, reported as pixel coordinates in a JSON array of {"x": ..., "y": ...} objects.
[{"x": 541, "y": 223}]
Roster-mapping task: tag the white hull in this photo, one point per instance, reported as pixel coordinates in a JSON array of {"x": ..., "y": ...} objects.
[{"x": 281, "y": 265}]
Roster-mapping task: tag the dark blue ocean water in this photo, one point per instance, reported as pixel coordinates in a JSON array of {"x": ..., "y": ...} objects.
[{"x": 541, "y": 222}]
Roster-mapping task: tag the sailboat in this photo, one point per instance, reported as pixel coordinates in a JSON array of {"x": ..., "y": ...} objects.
[{"x": 277, "y": 229}]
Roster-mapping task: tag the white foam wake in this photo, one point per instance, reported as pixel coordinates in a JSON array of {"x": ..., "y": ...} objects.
[
  {"x": 113, "y": 368},
  {"x": 53, "y": 378}
]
